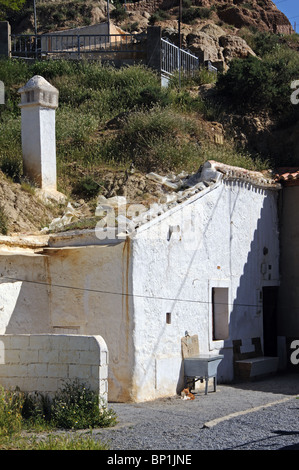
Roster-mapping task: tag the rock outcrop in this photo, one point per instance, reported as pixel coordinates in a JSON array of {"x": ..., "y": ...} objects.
[
  {"x": 260, "y": 14},
  {"x": 211, "y": 42}
]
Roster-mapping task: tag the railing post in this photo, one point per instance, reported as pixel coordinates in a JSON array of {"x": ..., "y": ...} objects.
[
  {"x": 78, "y": 44},
  {"x": 5, "y": 39},
  {"x": 153, "y": 45}
]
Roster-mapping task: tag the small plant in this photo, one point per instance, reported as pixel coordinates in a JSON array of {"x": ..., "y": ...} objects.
[
  {"x": 191, "y": 14},
  {"x": 36, "y": 409},
  {"x": 159, "y": 15},
  {"x": 119, "y": 13},
  {"x": 3, "y": 221},
  {"x": 131, "y": 27},
  {"x": 10, "y": 413},
  {"x": 77, "y": 407},
  {"x": 11, "y": 166},
  {"x": 74, "y": 407},
  {"x": 87, "y": 188},
  {"x": 27, "y": 187}
]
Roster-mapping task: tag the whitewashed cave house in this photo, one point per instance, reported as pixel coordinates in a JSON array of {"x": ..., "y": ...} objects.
[{"x": 200, "y": 263}]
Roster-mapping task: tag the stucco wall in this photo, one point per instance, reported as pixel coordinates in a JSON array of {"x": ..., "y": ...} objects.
[
  {"x": 24, "y": 298},
  {"x": 96, "y": 303},
  {"x": 79, "y": 290},
  {"x": 43, "y": 363},
  {"x": 123, "y": 291},
  {"x": 219, "y": 243}
]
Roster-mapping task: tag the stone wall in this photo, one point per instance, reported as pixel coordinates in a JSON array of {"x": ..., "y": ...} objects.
[{"x": 43, "y": 363}]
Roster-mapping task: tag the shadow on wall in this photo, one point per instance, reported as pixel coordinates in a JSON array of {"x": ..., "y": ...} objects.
[
  {"x": 171, "y": 305},
  {"x": 254, "y": 304},
  {"x": 24, "y": 294}
]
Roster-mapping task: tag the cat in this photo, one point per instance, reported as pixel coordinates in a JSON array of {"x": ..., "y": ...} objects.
[{"x": 187, "y": 395}]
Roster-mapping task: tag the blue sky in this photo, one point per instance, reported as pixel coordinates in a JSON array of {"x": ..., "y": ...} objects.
[{"x": 290, "y": 8}]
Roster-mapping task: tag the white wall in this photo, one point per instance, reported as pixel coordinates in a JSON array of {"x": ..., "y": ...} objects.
[
  {"x": 24, "y": 298},
  {"x": 88, "y": 289},
  {"x": 79, "y": 290},
  {"x": 96, "y": 303},
  {"x": 220, "y": 244}
]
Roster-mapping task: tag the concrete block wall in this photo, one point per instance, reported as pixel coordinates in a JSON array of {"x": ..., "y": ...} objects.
[{"x": 44, "y": 362}]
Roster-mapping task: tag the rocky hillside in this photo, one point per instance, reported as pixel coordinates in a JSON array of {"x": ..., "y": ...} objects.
[
  {"x": 221, "y": 30},
  {"x": 212, "y": 29},
  {"x": 59, "y": 14}
]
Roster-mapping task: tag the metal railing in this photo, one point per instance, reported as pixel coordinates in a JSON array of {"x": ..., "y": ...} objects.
[
  {"x": 73, "y": 45},
  {"x": 212, "y": 68},
  {"x": 174, "y": 59}
]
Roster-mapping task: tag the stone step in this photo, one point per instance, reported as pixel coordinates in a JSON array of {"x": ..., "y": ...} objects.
[{"x": 256, "y": 366}]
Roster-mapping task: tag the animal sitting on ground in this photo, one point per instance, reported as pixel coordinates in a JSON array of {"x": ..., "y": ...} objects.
[{"x": 187, "y": 395}]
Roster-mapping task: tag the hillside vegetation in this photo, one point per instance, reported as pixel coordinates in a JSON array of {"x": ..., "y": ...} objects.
[
  {"x": 114, "y": 118},
  {"x": 111, "y": 122}
]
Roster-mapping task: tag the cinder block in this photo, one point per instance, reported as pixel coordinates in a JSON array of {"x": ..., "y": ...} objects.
[
  {"x": 11, "y": 383},
  {"x": 3, "y": 370},
  {"x": 48, "y": 385},
  {"x": 60, "y": 342},
  {"x": 58, "y": 370},
  {"x": 16, "y": 370},
  {"x": 12, "y": 356},
  {"x": 95, "y": 372},
  {"x": 28, "y": 356},
  {"x": 79, "y": 371},
  {"x": 28, "y": 384},
  {"x": 6, "y": 341},
  {"x": 48, "y": 356},
  {"x": 40, "y": 342},
  {"x": 37, "y": 370},
  {"x": 103, "y": 372},
  {"x": 69, "y": 357},
  {"x": 19, "y": 341},
  {"x": 103, "y": 387},
  {"x": 104, "y": 358},
  {"x": 90, "y": 357},
  {"x": 82, "y": 343}
]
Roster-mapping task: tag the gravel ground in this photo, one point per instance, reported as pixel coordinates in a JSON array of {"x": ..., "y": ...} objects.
[{"x": 261, "y": 415}]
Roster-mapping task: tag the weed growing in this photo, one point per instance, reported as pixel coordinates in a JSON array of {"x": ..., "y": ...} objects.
[
  {"x": 74, "y": 407},
  {"x": 3, "y": 221}
]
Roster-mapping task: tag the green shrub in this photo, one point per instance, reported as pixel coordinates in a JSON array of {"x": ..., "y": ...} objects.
[
  {"x": 119, "y": 13},
  {"x": 10, "y": 411},
  {"x": 36, "y": 408},
  {"x": 76, "y": 407},
  {"x": 154, "y": 139},
  {"x": 159, "y": 15},
  {"x": 191, "y": 14},
  {"x": 200, "y": 77},
  {"x": 12, "y": 166},
  {"x": 261, "y": 42},
  {"x": 254, "y": 84},
  {"x": 153, "y": 95},
  {"x": 86, "y": 187}
]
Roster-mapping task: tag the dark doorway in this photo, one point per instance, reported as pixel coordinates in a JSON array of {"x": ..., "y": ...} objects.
[{"x": 270, "y": 320}]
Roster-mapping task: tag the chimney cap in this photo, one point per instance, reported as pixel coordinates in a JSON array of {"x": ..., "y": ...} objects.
[{"x": 38, "y": 91}]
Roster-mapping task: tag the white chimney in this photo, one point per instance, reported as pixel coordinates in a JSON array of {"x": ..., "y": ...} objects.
[{"x": 39, "y": 100}]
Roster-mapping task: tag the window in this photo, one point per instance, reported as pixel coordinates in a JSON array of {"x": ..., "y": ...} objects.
[{"x": 220, "y": 313}]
